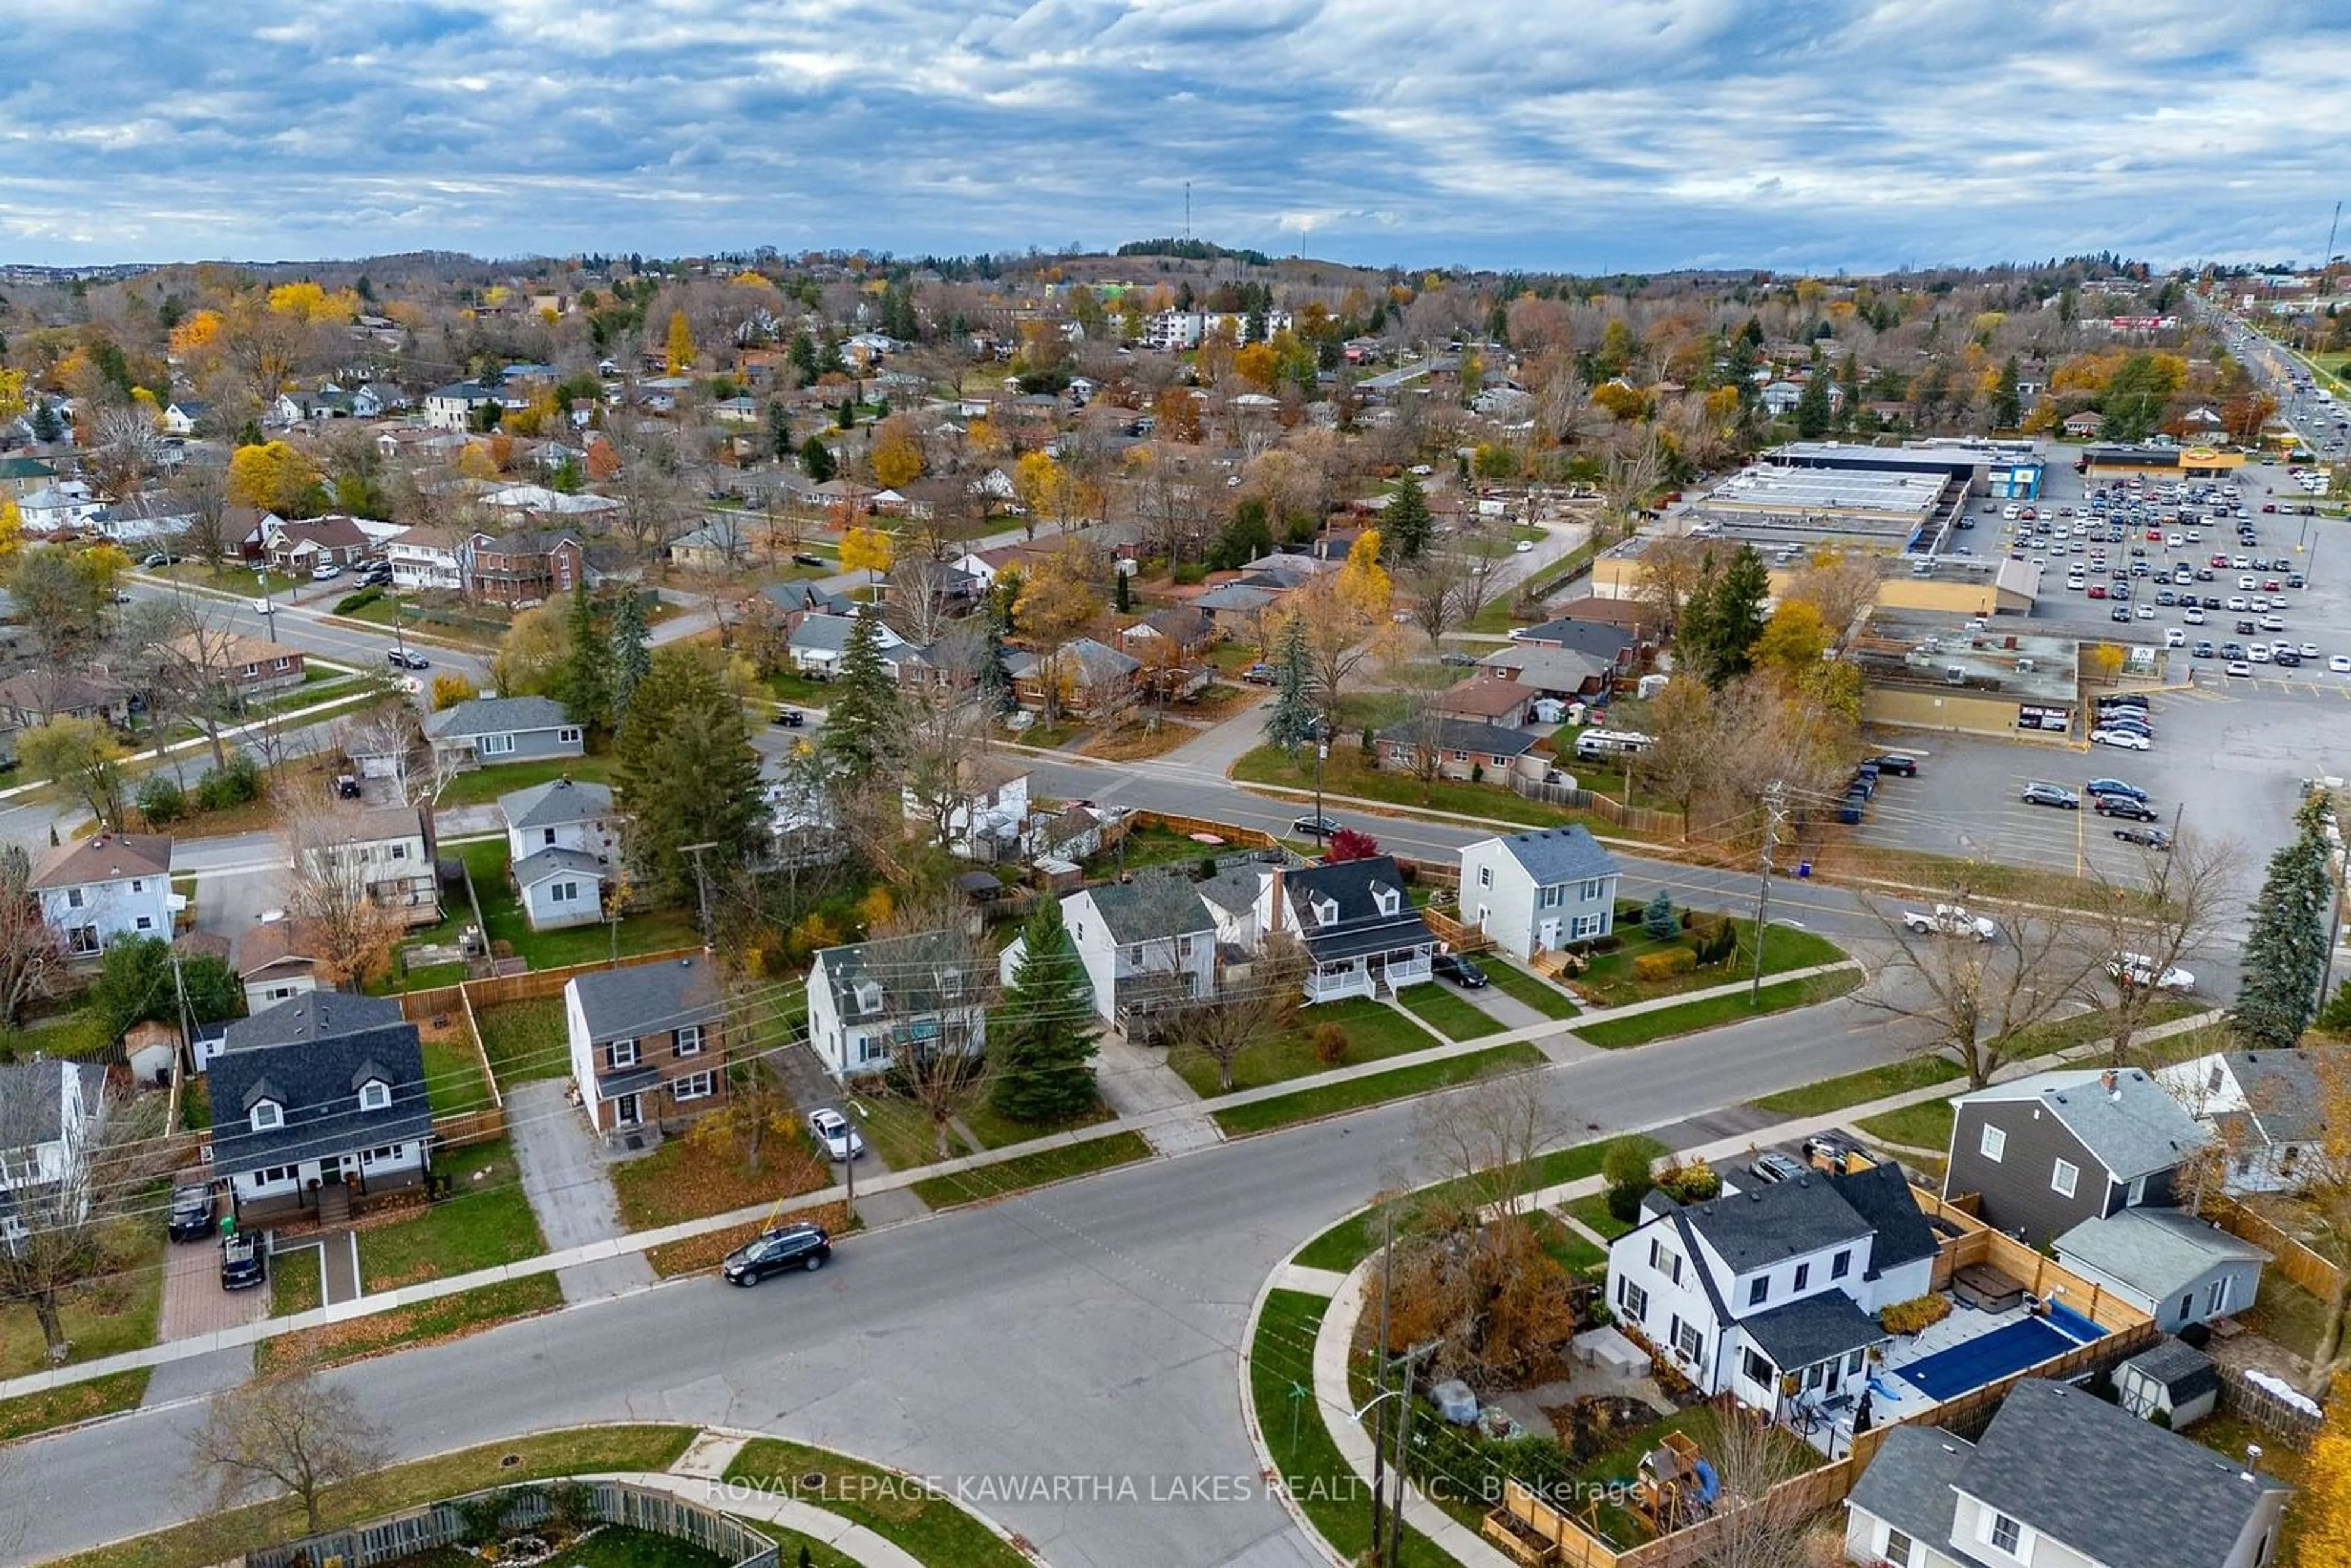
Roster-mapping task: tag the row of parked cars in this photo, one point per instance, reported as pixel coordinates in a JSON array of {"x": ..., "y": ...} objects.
[
  {"x": 2112, "y": 798},
  {"x": 1862, "y": 788},
  {"x": 2123, "y": 720}
]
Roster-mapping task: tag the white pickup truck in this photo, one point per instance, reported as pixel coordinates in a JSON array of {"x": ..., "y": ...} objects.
[{"x": 1950, "y": 920}]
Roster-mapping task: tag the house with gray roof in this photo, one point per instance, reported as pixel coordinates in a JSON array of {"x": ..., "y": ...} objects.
[
  {"x": 50, "y": 1112},
  {"x": 2176, "y": 1267},
  {"x": 2265, "y": 1106},
  {"x": 1546, "y": 671},
  {"x": 1148, "y": 944},
  {"x": 2048, "y": 1152},
  {"x": 562, "y": 842},
  {"x": 1455, "y": 747},
  {"x": 485, "y": 732},
  {"x": 818, "y": 644},
  {"x": 1093, "y": 677},
  {"x": 318, "y": 1101},
  {"x": 648, "y": 1044},
  {"x": 1772, "y": 1293},
  {"x": 2060, "y": 1478},
  {"x": 871, "y": 1004},
  {"x": 1540, "y": 891}
]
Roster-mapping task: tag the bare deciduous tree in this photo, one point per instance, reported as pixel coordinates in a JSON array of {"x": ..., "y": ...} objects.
[
  {"x": 1443, "y": 591},
  {"x": 330, "y": 891},
  {"x": 32, "y": 954},
  {"x": 392, "y": 733},
  {"x": 293, "y": 1434},
  {"x": 936, "y": 979},
  {"x": 2177, "y": 901},
  {"x": 72, "y": 1181},
  {"x": 1245, "y": 1010},
  {"x": 1973, "y": 998},
  {"x": 1483, "y": 1141}
]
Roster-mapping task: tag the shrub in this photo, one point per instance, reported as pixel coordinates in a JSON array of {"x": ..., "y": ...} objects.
[
  {"x": 161, "y": 801},
  {"x": 1693, "y": 1183},
  {"x": 1658, "y": 918},
  {"x": 1675, "y": 960},
  {"x": 1330, "y": 1044},
  {"x": 222, "y": 788},
  {"x": 1624, "y": 1203},
  {"x": 1628, "y": 1161},
  {"x": 351, "y": 602},
  {"x": 1917, "y": 1314},
  {"x": 1190, "y": 572}
]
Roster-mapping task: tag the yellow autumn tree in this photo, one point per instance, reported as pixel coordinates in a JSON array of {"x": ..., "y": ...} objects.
[
  {"x": 1258, "y": 364},
  {"x": 12, "y": 394},
  {"x": 275, "y": 477},
  {"x": 196, "y": 332},
  {"x": 1793, "y": 640},
  {"x": 477, "y": 462},
  {"x": 2323, "y": 1506},
  {"x": 866, "y": 548},
  {"x": 308, "y": 302},
  {"x": 1364, "y": 581},
  {"x": 11, "y": 529},
  {"x": 897, "y": 453},
  {"x": 681, "y": 344}
]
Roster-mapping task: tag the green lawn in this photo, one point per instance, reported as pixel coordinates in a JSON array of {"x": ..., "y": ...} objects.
[
  {"x": 453, "y": 1078},
  {"x": 999, "y": 1131},
  {"x": 1331, "y": 1099},
  {"x": 798, "y": 690},
  {"x": 1860, "y": 1088},
  {"x": 486, "y": 1222},
  {"x": 1713, "y": 1012},
  {"x": 1374, "y": 1030},
  {"x": 1611, "y": 981},
  {"x": 526, "y": 1040},
  {"x": 294, "y": 1282},
  {"x": 790, "y": 1544},
  {"x": 1790, "y": 1455},
  {"x": 1568, "y": 1246},
  {"x": 1349, "y": 772},
  {"x": 1594, "y": 1211},
  {"x": 1013, "y": 1176},
  {"x": 1281, "y": 1382},
  {"x": 1925, "y": 1126},
  {"x": 29, "y": 1413},
  {"x": 484, "y": 785},
  {"x": 1448, "y": 1013},
  {"x": 620, "y": 1546},
  {"x": 926, "y": 1524},
  {"x": 503, "y": 920},
  {"x": 116, "y": 1310},
  {"x": 1528, "y": 986},
  {"x": 898, "y": 1130},
  {"x": 75, "y": 1036},
  {"x": 428, "y": 1323},
  {"x": 1357, "y": 1236}
]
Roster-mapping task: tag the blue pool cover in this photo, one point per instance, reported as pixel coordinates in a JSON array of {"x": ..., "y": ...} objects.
[{"x": 1989, "y": 1357}]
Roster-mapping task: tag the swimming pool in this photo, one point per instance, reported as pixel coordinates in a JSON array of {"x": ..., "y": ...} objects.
[{"x": 1987, "y": 1358}]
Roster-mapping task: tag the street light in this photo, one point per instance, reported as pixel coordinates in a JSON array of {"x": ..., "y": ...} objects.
[
  {"x": 1321, "y": 751},
  {"x": 268, "y": 610}
]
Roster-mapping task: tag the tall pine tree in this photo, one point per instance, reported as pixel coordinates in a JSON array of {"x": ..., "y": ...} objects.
[
  {"x": 864, "y": 725},
  {"x": 816, "y": 459},
  {"x": 1813, "y": 403},
  {"x": 1292, "y": 721},
  {"x": 2286, "y": 950},
  {"x": 684, "y": 774},
  {"x": 1042, "y": 1033},
  {"x": 586, "y": 686},
  {"x": 633, "y": 656},
  {"x": 1406, "y": 524}
]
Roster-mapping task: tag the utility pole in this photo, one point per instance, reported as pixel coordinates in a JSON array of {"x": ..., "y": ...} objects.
[
  {"x": 1773, "y": 796},
  {"x": 701, "y": 887},
  {"x": 1395, "y": 1552},
  {"x": 1380, "y": 1372}
]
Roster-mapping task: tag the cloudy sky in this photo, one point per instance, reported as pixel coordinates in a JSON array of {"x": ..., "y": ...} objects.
[{"x": 1581, "y": 134}]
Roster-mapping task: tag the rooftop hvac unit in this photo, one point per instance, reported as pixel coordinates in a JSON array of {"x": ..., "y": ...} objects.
[
  {"x": 1954, "y": 675},
  {"x": 2025, "y": 666}
]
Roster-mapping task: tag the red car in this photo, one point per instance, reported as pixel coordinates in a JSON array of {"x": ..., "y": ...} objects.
[
  {"x": 2097, "y": 591},
  {"x": 2218, "y": 560},
  {"x": 2269, "y": 505},
  {"x": 2272, "y": 585},
  {"x": 2154, "y": 536}
]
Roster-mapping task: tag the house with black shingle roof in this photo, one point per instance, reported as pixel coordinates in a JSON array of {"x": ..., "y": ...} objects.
[
  {"x": 323, "y": 1092},
  {"x": 1357, "y": 920}
]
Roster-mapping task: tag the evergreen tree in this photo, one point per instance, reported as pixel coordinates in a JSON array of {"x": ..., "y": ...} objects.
[
  {"x": 633, "y": 656},
  {"x": 1292, "y": 721},
  {"x": 1659, "y": 920},
  {"x": 47, "y": 428},
  {"x": 803, "y": 357},
  {"x": 1041, "y": 1036},
  {"x": 816, "y": 459},
  {"x": 2007, "y": 403},
  {"x": 862, "y": 727},
  {"x": 684, "y": 773},
  {"x": 780, "y": 432},
  {"x": 586, "y": 683},
  {"x": 1122, "y": 592},
  {"x": 1812, "y": 406},
  {"x": 848, "y": 414},
  {"x": 1406, "y": 524},
  {"x": 1722, "y": 618},
  {"x": 996, "y": 693},
  {"x": 2286, "y": 950}
]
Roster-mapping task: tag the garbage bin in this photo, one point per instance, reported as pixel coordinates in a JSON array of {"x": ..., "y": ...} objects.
[
  {"x": 228, "y": 1225},
  {"x": 1804, "y": 869}
]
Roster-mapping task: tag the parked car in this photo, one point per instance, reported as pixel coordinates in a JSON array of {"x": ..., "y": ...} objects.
[
  {"x": 1772, "y": 1165},
  {"x": 803, "y": 558},
  {"x": 1949, "y": 920},
  {"x": 1459, "y": 661},
  {"x": 798, "y": 1246},
  {"x": 832, "y": 1130},
  {"x": 2124, "y": 806},
  {"x": 326, "y": 571},
  {"x": 1263, "y": 675},
  {"x": 1315, "y": 827},
  {"x": 2128, "y": 739},
  {"x": 2138, "y": 969},
  {"x": 1461, "y": 971},
  {"x": 2114, "y": 787},
  {"x": 347, "y": 788},
  {"x": 790, "y": 717},
  {"x": 401, "y": 659},
  {"x": 245, "y": 1261},
  {"x": 2147, "y": 838},
  {"x": 191, "y": 1211},
  {"x": 2038, "y": 794},
  {"x": 1901, "y": 764}
]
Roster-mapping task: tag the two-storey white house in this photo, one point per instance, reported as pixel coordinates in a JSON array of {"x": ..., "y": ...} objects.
[
  {"x": 2060, "y": 1478},
  {"x": 2265, "y": 1109},
  {"x": 48, "y": 1112},
  {"x": 562, "y": 846},
  {"x": 1534, "y": 891},
  {"x": 387, "y": 852},
  {"x": 1778, "y": 1285},
  {"x": 872, "y": 1003},
  {"x": 109, "y": 888},
  {"x": 1148, "y": 945}
]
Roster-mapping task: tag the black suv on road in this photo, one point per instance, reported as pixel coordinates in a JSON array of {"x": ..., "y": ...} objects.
[{"x": 786, "y": 1247}]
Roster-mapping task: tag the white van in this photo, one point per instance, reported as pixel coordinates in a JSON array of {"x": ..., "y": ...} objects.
[{"x": 1595, "y": 743}]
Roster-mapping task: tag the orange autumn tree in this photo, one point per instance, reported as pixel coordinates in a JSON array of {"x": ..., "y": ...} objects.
[{"x": 897, "y": 453}]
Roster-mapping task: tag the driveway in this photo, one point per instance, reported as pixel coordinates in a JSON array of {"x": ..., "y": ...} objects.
[
  {"x": 194, "y": 1302},
  {"x": 811, "y": 1088},
  {"x": 564, "y": 1176}
]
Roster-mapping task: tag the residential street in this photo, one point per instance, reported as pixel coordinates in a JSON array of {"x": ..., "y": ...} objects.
[{"x": 1087, "y": 1330}]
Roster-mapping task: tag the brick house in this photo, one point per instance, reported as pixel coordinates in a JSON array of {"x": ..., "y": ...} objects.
[{"x": 648, "y": 1044}]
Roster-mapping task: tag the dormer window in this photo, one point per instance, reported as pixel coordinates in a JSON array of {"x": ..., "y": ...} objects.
[
  {"x": 1326, "y": 912},
  {"x": 267, "y": 1117},
  {"x": 1389, "y": 899},
  {"x": 869, "y": 996},
  {"x": 375, "y": 1095}
]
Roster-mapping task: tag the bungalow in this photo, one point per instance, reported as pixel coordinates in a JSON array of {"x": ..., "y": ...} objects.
[
  {"x": 1540, "y": 889},
  {"x": 482, "y": 732},
  {"x": 1459, "y": 749},
  {"x": 2059, "y": 1478},
  {"x": 1549, "y": 670},
  {"x": 300, "y": 548},
  {"x": 1189, "y": 630},
  {"x": 49, "y": 1113},
  {"x": 1358, "y": 925},
  {"x": 275, "y": 961},
  {"x": 2266, "y": 1108},
  {"x": 561, "y": 838},
  {"x": 871, "y": 1002},
  {"x": 2172, "y": 1265},
  {"x": 1602, "y": 629},
  {"x": 315, "y": 1101},
  {"x": 250, "y": 665},
  {"x": 1094, "y": 678},
  {"x": 721, "y": 544},
  {"x": 1485, "y": 699},
  {"x": 819, "y": 644},
  {"x": 109, "y": 888},
  {"x": 648, "y": 1043},
  {"x": 2088, "y": 425}
]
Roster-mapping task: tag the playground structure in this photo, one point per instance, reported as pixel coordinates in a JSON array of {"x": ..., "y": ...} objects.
[{"x": 1676, "y": 1487}]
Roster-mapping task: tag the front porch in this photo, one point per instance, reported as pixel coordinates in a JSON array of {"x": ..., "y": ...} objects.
[{"x": 1370, "y": 974}]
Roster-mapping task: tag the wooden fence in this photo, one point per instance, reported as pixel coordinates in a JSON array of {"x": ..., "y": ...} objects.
[
  {"x": 1641, "y": 820},
  {"x": 2288, "y": 1256},
  {"x": 463, "y": 1127},
  {"x": 1247, "y": 837},
  {"x": 446, "y": 1525},
  {"x": 2239, "y": 1395}
]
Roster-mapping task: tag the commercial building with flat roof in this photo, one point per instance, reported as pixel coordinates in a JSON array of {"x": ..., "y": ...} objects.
[
  {"x": 2156, "y": 460},
  {"x": 1944, "y": 585},
  {"x": 2007, "y": 470},
  {"x": 1927, "y": 675},
  {"x": 1776, "y": 508}
]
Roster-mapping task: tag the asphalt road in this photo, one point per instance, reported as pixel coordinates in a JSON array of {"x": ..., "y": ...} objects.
[{"x": 1089, "y": 1331}]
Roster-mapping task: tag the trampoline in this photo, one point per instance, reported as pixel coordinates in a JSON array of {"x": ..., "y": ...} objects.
[{"x": 1989, "y": 1357}]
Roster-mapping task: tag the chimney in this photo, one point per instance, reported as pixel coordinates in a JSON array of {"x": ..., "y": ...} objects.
[{"x": 2112, "y": 1085}]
